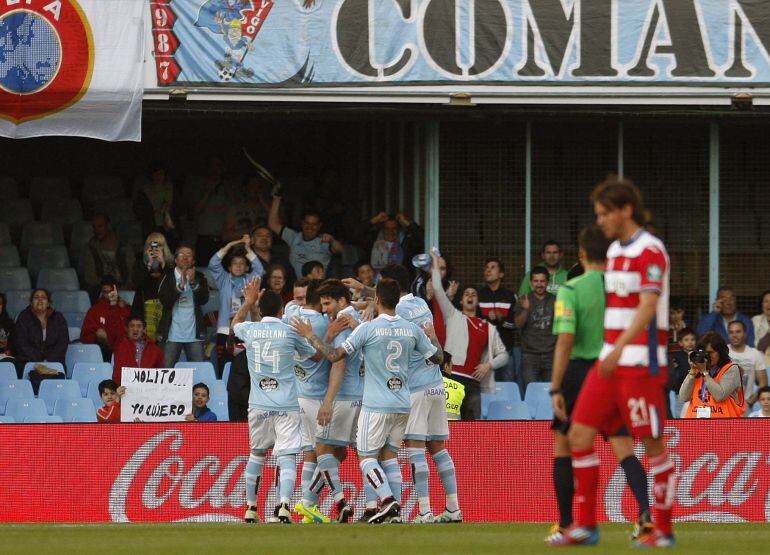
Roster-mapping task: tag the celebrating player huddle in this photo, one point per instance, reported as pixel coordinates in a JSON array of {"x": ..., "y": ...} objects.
[{"x": 309, "y": 394}]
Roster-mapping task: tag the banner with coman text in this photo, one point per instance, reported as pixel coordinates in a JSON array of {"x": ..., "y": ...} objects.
[{"x": 71, "y": 67}]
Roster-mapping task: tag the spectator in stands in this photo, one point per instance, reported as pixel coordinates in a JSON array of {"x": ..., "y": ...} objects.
[
  {"x": 676, "y": 323},
  {"x": 40, "y": 333},
  {"x": 550, "y": 254},
  {"x": 750, "y": 360},
  {"x": 764, "y": 402},
  {"x": 679, "y": 366},
  {"x": 243, "y": 266},
  {"x": 307, "y": 244},
  {"x": 251, "y": 211},
  {"x": 277, "y": 282},
  {"x": 497, "y": 303},
  {"x": 364, "y": 273},
  {"x": 313, "y": 270},
  {"x": 6, "y": 331},
  {"x": 154, "y": 204},
  {"x": 761, "y": 324},
  {"x": 238, "y": 388},
  {"x": 135, "y": 349},
  {"x": 393, "y": 240},
  {"x": 534, "y": 317},
  {"x": 262, "y": 245},
  {"x": 218, "y": 195},
  {"x": 476, "y": 347},
  {"x": 201, "y": 413},
  {"x": 110, "y": 394},
  {"x": 105, "y": 322},
  {"x": 182, "y": 292},
  {"x": 725, "y": 311},
  {"x": 148, "y": 272},
  {"x": 105, "y": 255},
  {"x": 713, "y": 386}
]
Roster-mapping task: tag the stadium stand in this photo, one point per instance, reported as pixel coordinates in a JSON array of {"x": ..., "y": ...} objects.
[
  {"x": 219, "y": 406},
  {"x": 202, "y": 371},
  {"x": 20, "y": 409},
  {"x": 35, "y": 234},
  {"x": 70, "y": 409},
  {"x": 51, "y": 256},
  {"x": 7, "y": 420},
  {"x": 74, "y": 320},
  {"x": 7, "y": 372},
  {"x": 16, "y": 213},
  {"x": 9, "y": 256},
  {"x": 48, "y": 187},
  {"x": 65, "y": 212},
  {"x": 86, "y": 372},
  {"x": 9, "y": 189},
  {"x": 53, "y": 390},
  {"x": 71, "y": 301},
  {"x": 47, "y": 419},
  {"x": 80, "y": 352},
  {"x": 73, "y": 332},
  {"x": 18, "y": 300},
  {"x": 504, "y": 410},
  {"x": 5, "y": 234},
  {"x": 544, "y": 410},
  {"x": 31, "y": 366},
  {"x": 61, "y": 279},
  {"x": 93, "y": 393},
  {"x": 535, "y": 392},
  {"x": 14, "y": 278},
  {"x": 18, "y": 389},
  {"x": 507, "y": 391},
  {"x": 82, "y": 232},
  {"x": 226, "y": 372}
]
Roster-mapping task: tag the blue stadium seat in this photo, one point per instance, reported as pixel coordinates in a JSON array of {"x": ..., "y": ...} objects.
[
  {"x": 70, "y": 409},
  {"x": 81, "y": 233},
  {"x": 202, "y": 371},
  {"x": 53, "y": 256},
  {"x": 40, "y": 234},
  {"x": 217, "y": 388},
  {"x": 18, "y": 300},
  {"x": 213, "y": 303},
  {"x": 219, "y": 406},
  {"x": 486, "y": 398},
  {"x": 74, "y": 333},
  {"x": 93, "y": 393},
  {"x": 53, "y": 390},
  {"x": 31, "y": 366},
  {"x": 14, "y": 278},
  {"x": 9, "y": 188},
  {"x": 74, "y": 319},
  {"x": 507, "y": 391},
  {"x": 48, "y": 187},
  {"x": 9, "y": 256},
  {"x": 544, "y": 410},
  {"x": 118, "y": 209},
  {"x": 22, "y": 408},
  {"x": 62, "y": 211},
  {"x": 47, "y": 419},
  {"x": 97, "y": 188},
  {"x": 17, "y": 212},
  {"x": 226, "y": 372},
  {"x": 86, "y": 372},
  {"x": 81, "y": 352},
  {"x": 18, "y": 389},
  {"x": 71, "y": 301},
  {"x": 209, "y": 277},
  {"x": 62, "y": 279},
  {"x": 127, "y": 295},
  {"x": 7, "y": 372},
  {"x": 672, "y": 403},
  {"x": 504, "y": 410},
  {"x": 5, "y": 234},
  {"x": 7, "y": 420},
  {"x": 535, "y": 392}
]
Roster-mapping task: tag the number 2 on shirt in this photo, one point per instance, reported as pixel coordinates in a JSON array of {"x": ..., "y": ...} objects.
[
  {"x": 395, "y": 349},
  {"x": 261, "y": 357}
]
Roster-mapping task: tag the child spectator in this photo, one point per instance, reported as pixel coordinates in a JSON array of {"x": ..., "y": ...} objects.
[
  {"x": 764, "y": 401},
  {"x": 110, "y": 394},
  {"x": 680, "y": 365},
  {"x": 201, "y": 413}
]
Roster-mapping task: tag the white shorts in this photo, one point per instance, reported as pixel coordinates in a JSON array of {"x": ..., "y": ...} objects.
[
  {"x": 308, "y": 410},
  {"x": 380, "y": 429},
  {"x": 341, "y": 430},
  {"x": 427, "y": 419},
  {"x": 279, "y": 430}
]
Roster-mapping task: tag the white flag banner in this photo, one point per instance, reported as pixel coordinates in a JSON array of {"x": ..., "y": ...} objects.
[
  {"x": 72, "y": 68},
  {"x": 156, "y": 394}
]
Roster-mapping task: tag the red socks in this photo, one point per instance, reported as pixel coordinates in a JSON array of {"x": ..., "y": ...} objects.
[
  {"x": 585, "y": 468},
  {"x": 663, "y": 471}
]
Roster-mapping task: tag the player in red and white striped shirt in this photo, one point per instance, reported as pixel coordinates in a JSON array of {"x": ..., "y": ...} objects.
[{"x": 626, "y": 386}]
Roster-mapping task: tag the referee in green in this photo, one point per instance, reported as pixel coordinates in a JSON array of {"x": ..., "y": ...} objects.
[{"x": 579, "y": 327}]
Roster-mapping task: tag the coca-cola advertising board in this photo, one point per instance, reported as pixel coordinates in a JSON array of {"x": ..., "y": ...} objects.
[{"x": 194, "y": 472}]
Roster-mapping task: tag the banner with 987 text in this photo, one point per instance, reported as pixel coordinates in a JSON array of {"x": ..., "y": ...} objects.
[{"x": 156, "y": 394}]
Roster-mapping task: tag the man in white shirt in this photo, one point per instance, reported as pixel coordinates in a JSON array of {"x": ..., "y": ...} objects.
[{"x": 750, "y": 360}]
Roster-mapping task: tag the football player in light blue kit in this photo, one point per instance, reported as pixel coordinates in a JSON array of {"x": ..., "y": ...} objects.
[
  {"x": 387, "y": 343},
  {"x": 427, "y": 418},
  {"x": 339, "y": 411},
  {"x": 312, "y": 383},
  {"x": 274, "y": 420}
]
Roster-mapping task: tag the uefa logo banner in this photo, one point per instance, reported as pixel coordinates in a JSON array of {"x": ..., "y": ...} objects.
[{"x": 71, "y": 67}]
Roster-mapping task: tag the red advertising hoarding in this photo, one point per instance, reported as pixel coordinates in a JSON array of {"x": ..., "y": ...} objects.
[{"x": 194, "y": 472}]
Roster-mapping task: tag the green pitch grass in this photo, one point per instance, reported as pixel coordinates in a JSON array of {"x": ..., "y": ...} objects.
[{"x": 465, "y": 539}]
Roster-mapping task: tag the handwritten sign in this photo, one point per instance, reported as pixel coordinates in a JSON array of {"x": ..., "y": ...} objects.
[{"x": 156, "y": 394}]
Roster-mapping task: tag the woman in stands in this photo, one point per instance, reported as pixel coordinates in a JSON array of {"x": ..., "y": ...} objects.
[
  {"x": 276, "y": 281},
  {"x": 6, "y": 330},
  {"x": 156, "y": 257},
  {"x": 41, "y": 336}
]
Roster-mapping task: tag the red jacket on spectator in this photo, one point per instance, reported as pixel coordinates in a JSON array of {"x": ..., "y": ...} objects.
[
  {"x": 125, "y": 356},
  {"x": 109, "y": 414},
  {"x": 110, "y": 318}
]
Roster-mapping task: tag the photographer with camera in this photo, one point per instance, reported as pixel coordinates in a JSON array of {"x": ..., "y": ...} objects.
[
  {"x": 713, "y": 385},
  {"x": 156, "y": 258}
]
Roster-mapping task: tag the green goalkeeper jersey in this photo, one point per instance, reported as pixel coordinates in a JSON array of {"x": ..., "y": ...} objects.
[{"x": 580, "y": 311}]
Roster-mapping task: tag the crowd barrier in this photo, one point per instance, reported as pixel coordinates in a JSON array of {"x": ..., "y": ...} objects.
[{"x": 194, "y": 472}]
